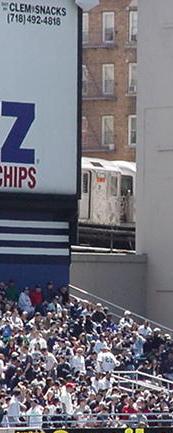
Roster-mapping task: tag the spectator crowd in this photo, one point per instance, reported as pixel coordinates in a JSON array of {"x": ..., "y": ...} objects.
[{"x": 59, "y": 360}]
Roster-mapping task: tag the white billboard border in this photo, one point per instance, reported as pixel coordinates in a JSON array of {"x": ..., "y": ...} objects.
[{"x": 17, "y": 200}]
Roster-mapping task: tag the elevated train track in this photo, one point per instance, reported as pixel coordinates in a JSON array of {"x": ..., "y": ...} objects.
[{"x": 115, "y": 237}]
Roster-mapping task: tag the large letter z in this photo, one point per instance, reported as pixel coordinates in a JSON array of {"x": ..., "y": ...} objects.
[{"x": 11, "y": 150}]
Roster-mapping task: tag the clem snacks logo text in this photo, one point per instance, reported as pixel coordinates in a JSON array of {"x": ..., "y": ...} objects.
[
  {"x": 21, "y": 173},
  {"x": 37, "y": 9}
]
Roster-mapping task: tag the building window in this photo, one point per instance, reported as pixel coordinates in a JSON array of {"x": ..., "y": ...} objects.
[
  {"x": 126, "y": 185},
  {"x": 84, "y": 80},
  {"x": 108, "y": 79},
  {"x": 84, "y": 131},
  {"x": 108, "y": 26},
  {"x": 133, "y": 21},
  {"x": 132, "y": 85},
  {"x": 108, "y": 131},
  {"x": 85, "y": 28},
  {"x": 132, "y": 130}
]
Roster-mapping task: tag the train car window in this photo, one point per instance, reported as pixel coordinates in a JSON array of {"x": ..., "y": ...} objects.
[
  {"x": 126, "y": 185},
  {"x": 114, "y": 185},
  {"x": 85, "y": 183},
  {"x": 96, "y": 164}
]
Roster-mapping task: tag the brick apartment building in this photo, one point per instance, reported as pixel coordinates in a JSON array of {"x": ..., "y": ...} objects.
[{"x": 109, "y": 80}]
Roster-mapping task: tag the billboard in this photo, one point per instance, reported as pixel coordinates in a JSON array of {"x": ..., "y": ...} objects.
[{"x": 39, "y": 96}]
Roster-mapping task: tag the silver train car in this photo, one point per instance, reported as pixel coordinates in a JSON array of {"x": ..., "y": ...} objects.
[{"x": 108, "y": 193}]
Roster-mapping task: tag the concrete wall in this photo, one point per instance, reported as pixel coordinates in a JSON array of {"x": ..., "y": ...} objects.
[
  {"x": 117, "y": 278},
  {"x": 155, "y": 153}
]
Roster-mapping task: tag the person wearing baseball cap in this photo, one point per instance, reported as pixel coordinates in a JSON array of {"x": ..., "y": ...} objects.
[{"x": 66, "y": 398}]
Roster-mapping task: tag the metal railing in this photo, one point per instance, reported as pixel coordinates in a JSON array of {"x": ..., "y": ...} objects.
[
  {"x": 94, "y": 39},
  {"x": 88, "y": 420},
  {"x": 92, "y": 141},
  {"x": 115, "y": 309},
  {"x": 138, "y": 379},
  {"x": 92, "y": 89}
]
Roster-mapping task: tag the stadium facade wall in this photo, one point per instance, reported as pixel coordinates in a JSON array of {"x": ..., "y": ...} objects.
[
  {"x": 154, "y": 205},
  {"x": 119, "y": 279}
]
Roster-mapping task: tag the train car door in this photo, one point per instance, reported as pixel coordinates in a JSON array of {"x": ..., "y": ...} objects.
[
  {"x": 112, "y": 199},
  {"x": 99, "y": 202},
  {"x": 84, "y": 204},
  {"x": 126, "y": 209}
]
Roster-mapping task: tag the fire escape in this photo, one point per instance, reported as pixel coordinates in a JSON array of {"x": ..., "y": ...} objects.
[{"x": 96, "y": 86}]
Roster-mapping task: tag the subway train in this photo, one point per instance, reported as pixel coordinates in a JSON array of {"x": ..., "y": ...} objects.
[{"x": 107, "y": 193}]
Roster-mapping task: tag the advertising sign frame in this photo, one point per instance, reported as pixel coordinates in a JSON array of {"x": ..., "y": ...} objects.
[{"x": 55, "y": 201}]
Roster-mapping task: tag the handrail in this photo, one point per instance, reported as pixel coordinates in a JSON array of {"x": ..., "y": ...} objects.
[
  {"x": 141, "y": 373},
  {"x": 118, "y": 307},
  {"x": 35, "y": 422},
  {"x": 156, "y": 383},
  {"x": 138, "y": 384}
]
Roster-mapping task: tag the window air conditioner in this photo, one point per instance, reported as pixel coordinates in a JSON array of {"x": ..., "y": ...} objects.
[
  {"x": 132, "y": 88},
  {"x": 134, "y": 37},
  {"x": 111, "y": 146}
]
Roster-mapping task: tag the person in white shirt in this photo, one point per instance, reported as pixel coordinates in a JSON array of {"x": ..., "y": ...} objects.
[
  {"x": 145, "y": 329},
  {"x": 50, "y": 360},
  {"x": 36, "y": 338},
  {"x": 78, "y": 361},
  {"x": 106, "y": 382},
  {"x": 96, "y": 381},
  {"x": 25, "y": 303},
  {"x": 99, "y": 344},
  {"x": 36, "y": 354},
  {"x": 66, "y": 399},
  {"x": 82, "y": 407},
  {"x": 106, "y": 361},
  {"x": 15, "y": 319},
  {"x": 34, "y": 415},
  {"x": 14, "y": 408},
  {"x": 2, "y": 366},
  {"x": 137, "y": 343},
  {"x": 85, "y": 304},
  {"x": 126, "y": 320}
]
